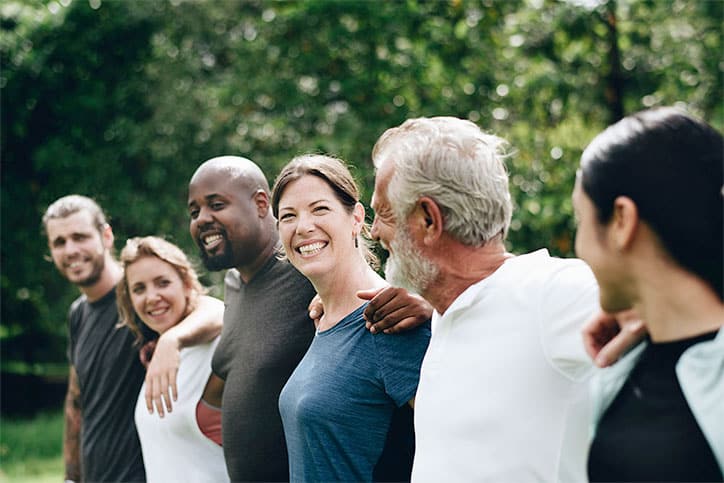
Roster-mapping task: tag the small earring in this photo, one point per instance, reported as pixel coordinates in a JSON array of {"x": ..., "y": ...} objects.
[{"x": 356, "y": 242}]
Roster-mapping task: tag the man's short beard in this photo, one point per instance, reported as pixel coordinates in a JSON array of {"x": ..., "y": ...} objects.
[
  {"x": 99, "y": 264},
  {"x": 217, "y": 262},
  {"x": 406, "y": 267}
]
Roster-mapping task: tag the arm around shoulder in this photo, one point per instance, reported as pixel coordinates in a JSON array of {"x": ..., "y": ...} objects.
[{"x": 200, "y": 326}]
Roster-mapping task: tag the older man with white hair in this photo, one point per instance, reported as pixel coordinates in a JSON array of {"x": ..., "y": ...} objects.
[{"x": 502, "y": 394}]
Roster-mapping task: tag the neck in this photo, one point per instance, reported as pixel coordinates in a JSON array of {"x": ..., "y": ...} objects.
[
  {"x": 111, "y": 275},
  {"x": 338, "y": 290},
  {"x": 677, "y": 305},
  {"x": 268, "y": 250},
  {"x": 463, "y": 266}
]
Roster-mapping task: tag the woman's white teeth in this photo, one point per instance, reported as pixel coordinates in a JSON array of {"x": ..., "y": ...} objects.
[
  {"x": 311, "y": 248},
  {"x": 157, "y": 311}
]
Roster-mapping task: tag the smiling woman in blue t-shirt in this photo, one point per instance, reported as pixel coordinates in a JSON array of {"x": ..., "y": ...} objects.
[{"x": 338, "y": 404}]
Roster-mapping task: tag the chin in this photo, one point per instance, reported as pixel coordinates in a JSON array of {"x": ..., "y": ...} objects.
[{"x": 611, "y": 303}]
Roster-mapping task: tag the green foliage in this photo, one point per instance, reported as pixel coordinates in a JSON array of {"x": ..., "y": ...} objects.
[
  {"x": 121, "y": 101},
  {"x": 32, "y": 449}
]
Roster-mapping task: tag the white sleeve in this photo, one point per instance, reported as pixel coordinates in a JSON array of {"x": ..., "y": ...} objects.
[{"x": 569, "y": 300}]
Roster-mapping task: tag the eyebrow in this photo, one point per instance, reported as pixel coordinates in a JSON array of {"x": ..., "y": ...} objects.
[
  {"x": 321, "y": 200},
  {"x": 207, "y": 198}
]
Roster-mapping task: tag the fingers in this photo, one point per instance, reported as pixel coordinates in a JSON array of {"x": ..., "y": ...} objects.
[
  {"x": 161, "y": 391},
  {"x": 394, "y": 309},
  {"x": 598, "y": 332},
  {"x": 606, "y": 337},
  {"x": 169, "y": 392},
  {"x": 404, "y": 324},
  {"x": 387, "y": 322},
  {"x": 369, "y": 294},
  {"x": 631, "y": 334},
  {"x": 316, "y": 309},
  {"x": 158, "y": 395},
  {"x": 149, "y": 397},
  {"x": 382, "y": 303}
]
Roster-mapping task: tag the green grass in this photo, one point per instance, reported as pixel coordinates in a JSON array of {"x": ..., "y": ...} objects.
[{"x": 31, "y": 450}]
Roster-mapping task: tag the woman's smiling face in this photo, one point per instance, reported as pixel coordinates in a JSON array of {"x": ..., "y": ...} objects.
[
  {"x": 317, "y": 230},
  {"x": 158, "y": 294}
]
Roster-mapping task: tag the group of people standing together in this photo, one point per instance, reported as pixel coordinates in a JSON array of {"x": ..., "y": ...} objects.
[{"x": 464, "y": 363}]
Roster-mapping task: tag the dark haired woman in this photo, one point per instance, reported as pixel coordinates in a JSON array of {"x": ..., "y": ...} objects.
[
  {"x": 649, "y": 203},
  {"x": 338, "y": 404}
]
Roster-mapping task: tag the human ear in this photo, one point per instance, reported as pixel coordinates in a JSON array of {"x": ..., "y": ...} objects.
[
  {"x": 431, "y": 218},
  {"x": 107, "y": 236},
  {"x": 624, "y": 222},
  {"x": 359, "y": 215},
  {"x": 261, "y": 200}
]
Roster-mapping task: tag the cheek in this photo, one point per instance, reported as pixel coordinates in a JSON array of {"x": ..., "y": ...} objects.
[
  {"x": 286, "y": 232},
  {"x": 137, "y": 301},
  {"x": 57, "y": 256}
]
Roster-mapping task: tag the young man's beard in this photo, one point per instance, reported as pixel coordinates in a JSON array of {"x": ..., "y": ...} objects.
[{"x": 99, "y": 264}]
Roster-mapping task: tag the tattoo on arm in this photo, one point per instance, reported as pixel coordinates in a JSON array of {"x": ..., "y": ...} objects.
[{"x": 71, "y": 435}]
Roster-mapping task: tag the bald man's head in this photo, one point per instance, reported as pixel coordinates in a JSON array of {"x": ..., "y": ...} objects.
[
  {"x": 240, "y": 170},
  {"x": 230, "y": 217}
]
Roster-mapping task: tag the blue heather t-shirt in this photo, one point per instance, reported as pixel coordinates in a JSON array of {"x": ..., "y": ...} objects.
[{"x": 337, "y": 405}]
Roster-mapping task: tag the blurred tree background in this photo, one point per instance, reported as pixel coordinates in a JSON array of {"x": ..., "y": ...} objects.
[{"x": 122, "y": 100}]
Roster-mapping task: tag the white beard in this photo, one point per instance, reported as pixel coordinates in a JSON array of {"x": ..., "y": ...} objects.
[{"x": 406, "y": 267}]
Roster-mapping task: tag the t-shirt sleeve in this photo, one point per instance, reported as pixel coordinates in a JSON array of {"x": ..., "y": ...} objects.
[
  {"x": 399, "y": 357},
  {"x": 569, "y": 300},
  {"x": 74, "y": 318}
]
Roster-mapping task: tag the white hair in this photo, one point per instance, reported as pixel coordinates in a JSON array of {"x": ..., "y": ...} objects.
[{"x": 456, "y": 164}]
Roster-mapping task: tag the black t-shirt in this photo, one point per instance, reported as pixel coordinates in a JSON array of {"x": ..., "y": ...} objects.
[
  {"x": 649, "y": 432},
  {"x": 266, "y": 333},
  {"x": 110, "y": 376}
]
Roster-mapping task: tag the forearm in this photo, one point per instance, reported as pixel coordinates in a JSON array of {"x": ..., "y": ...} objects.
[
  {"x": 202, "y": 325},
  {"x": 71, "y": 433}
]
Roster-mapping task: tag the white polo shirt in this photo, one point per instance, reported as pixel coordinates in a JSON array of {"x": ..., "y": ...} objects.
[{"x": 503, "y": 395}]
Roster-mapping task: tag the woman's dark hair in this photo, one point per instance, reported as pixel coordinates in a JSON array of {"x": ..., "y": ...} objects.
[
  {"x": 670, "y": 165},
  {"x": 336, "y": 174}
]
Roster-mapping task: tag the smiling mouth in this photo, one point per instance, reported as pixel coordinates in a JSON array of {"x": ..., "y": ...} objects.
[
  {"x": 75, "y": 264},
  {"x": 157, "y": 312},
  {"x": 311, "y": 249},
  {"x": 211, "y": 241}
]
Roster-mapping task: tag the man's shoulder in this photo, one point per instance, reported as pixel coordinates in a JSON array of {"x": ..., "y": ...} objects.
[
  {"x": 541, "y": 267},
  {"x": 77, "y": 308},
  {"x": 271, "y": 273},
  {"x": 78, "y": 303}
]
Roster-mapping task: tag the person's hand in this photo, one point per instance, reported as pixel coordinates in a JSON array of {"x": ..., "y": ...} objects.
[
  {"x": 161, "y": 375},
  {"x": 394, "y": 309},
  {"x": 607, "y": 337},
  {"x": 146, "y": 352},
  {"x": 316, "y": 310}
]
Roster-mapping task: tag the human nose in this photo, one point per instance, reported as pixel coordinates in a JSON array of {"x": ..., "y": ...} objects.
[
  {"x": 305, "y": 223},
  {"x": 70, "y": 248},
  {"x": 152, "y": 295},
  {"x": 204, "y": 216}
]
